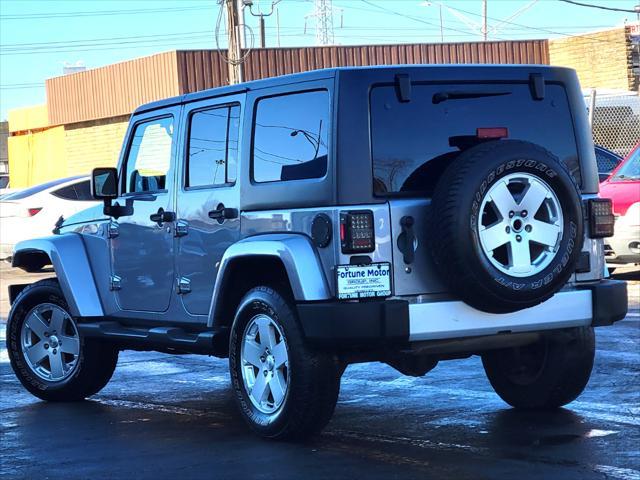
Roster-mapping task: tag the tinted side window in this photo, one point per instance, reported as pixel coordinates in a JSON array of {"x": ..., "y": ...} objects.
[
  {"x": 68, "y": 193},
  {"x": 213, "y": 147},
  {"x": 83, "y": 190},
  {"x": 149, "y": 156},
  {"x": 290, "y": 137}
]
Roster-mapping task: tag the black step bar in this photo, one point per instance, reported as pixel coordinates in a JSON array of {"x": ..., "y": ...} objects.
[{"x": 171, "y": 339}]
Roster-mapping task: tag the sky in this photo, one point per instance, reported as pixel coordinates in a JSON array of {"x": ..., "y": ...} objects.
[{"x": 37, "y": 37}]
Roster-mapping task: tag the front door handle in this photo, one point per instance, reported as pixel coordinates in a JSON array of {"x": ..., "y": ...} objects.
[
  {"x": 221, "y": 213},
  {"x": 162, "y": 216}
]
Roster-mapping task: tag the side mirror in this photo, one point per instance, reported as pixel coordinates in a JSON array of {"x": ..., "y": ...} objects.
[{"x": 104, "y": 183}]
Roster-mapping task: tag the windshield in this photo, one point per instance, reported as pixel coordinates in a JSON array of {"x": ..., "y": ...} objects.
[
  {"x": 27, "y": 192},
  {"x": 630, "y": 170}
]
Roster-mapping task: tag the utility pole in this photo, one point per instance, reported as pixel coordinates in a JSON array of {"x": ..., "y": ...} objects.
[
  {"x": 263, "y": 40},
  {"x": 234, "y": 55},
  {"x": 484, "y": 20}
]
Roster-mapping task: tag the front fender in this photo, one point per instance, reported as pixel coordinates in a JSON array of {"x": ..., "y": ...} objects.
[
  {"x": 71, "y": 264},
  {"x": 296, "y": 252}
]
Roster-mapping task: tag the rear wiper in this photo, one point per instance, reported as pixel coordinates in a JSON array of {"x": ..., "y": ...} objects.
[{"x": 440, "y": 97}]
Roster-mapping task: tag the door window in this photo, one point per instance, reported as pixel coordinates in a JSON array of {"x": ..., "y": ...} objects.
[
  {"x": 290, "y": 137},
  {"x": 213, "y": 147},
  {"x": 149, "y": 157}
]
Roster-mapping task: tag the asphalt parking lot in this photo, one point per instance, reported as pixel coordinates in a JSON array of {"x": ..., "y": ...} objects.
[{"x": 173, "y": 416}]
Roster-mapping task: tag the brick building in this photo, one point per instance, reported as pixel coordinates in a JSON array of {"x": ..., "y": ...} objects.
[{"x": 604, "y": 60}]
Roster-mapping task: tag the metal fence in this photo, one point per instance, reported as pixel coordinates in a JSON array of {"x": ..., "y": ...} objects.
[{"x": 616, "y": 121}]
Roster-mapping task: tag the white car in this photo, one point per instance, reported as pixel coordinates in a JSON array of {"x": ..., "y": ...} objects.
[{"x": 33, "y": 212}]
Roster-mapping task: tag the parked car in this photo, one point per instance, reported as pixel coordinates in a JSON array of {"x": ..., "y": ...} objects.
[
  {"x": 623, "y": 188},
  {"x": 4, "y": 184},
  {"x": 607, "y": 162},
  {"x": 33, "y": 212},
  {"x": 295, "y": 225}
]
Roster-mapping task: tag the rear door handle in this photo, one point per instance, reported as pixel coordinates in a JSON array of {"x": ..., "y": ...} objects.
[
  {"x": 162, "y": 216},
  {"x": 221, "y": 213}
]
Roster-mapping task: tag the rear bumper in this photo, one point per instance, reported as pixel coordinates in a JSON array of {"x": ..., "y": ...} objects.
[{"x": 394, "y": 320}]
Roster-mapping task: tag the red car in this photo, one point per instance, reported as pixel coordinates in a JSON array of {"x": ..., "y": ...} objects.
[{"x": 623, "y": 188}]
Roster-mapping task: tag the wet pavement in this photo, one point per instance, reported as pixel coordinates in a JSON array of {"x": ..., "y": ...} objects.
[{"x": 167, "y": 416}]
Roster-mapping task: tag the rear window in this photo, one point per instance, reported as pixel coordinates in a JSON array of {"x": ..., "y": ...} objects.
[
  {"x": 27, "y": 192},
  {"x": 411, "y": 140}
]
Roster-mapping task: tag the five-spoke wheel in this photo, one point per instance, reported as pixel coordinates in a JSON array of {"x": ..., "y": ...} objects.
[
  {"x": 520, "y": 225},
  {"x": 50, "y": 342},
  {"x": 48, "y": 354},
  {"x": 265, "y": 363},
  {"x": 283, "y": 387}
]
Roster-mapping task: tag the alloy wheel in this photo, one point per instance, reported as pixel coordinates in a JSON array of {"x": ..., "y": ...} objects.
[
  {"x": 50, "y": 342},
  {"x": 520, "y": 225},
  {"x": 265, "y": 364}
]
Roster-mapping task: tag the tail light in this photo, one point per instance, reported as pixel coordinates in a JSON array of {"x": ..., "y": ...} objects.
[
  {"x": 356, "y": 232},
  {"x": 493, "y": 132},
  {"x": 33, "y": 211},
  {"x": 601, "y": 218}
]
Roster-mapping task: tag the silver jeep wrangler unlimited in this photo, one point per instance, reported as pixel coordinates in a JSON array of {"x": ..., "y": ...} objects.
[{"x": 405, "y": 214}]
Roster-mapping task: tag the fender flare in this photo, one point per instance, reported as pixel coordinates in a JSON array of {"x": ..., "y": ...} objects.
[
  {"x": 73, "y": 270},
  {"x": 298, "y": 256}
]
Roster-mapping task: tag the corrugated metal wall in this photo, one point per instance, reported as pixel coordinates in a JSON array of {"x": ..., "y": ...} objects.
[
  {"x": 279, "y": 61},
  {"x": 112, "y": 90},
  {"x": 118, "y": 89}
]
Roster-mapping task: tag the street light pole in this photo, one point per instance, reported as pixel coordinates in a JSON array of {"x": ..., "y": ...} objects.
[{"x": 484, "y": 20}]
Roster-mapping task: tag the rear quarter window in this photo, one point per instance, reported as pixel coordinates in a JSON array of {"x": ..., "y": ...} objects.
[
  {"x": 408, "y": 135},
  {"x": 290, "y": 137}
]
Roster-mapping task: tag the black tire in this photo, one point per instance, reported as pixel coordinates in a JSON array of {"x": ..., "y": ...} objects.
[
  {"x": 548, "y": 374},
  {"x": 455, "y": 239},
  {"x": 314, "y": 376},
  {"x": 96, "y": 360}
]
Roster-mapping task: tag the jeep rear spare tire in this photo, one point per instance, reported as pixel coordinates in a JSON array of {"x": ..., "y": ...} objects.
[{"x": 506, "y": 225}]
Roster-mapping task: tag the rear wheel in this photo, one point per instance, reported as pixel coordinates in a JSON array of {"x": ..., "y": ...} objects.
[
  {"x": 547, "y": 374},
  {"x": 284, "y": 389},
  {"x": 46, "y": 351}
]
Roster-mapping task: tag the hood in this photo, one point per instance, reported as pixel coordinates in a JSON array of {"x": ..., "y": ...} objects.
[{"x": 623, "y": 194}]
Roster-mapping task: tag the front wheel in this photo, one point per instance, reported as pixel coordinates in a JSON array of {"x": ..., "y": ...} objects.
[
  {"x": 546, "y": 374},
  {"x": 284, "y": 389},
  {"x": 47, "y": 354}
]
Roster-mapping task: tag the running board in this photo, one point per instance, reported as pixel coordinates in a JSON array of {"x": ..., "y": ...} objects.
[{"x": 153, "y": 338}]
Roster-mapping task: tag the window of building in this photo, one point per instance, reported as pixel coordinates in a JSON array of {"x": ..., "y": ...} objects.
[
  {"x": 149, "y": 156},
  {"x": 290, "y": 137},
  {"x": 213, "y": 147}
]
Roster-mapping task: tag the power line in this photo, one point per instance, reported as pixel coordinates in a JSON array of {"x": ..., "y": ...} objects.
[
  {"x": 539, "y": 29},
  {"x": 601, "y": 7},
  {"x": 416, "y": 19},
  {"x": 33, "y": 16}
]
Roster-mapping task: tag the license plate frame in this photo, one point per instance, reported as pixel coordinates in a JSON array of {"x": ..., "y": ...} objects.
[{"x": 356, "y": 281}]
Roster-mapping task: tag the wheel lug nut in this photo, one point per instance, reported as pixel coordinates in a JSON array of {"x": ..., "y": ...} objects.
[
  {"x": 266, "y": 372},
  {"x": 523, "y": 213},
  {"x": 55, "y": 351},
  {"x": 518, "y": 237},
  {"x": 508, "y": 229},
  {"x": 46, "y": 345},
  {"x": 46, "y": 334},
  {"x": 528, "y": 228},
  {"x": 511, "y": 214}
]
